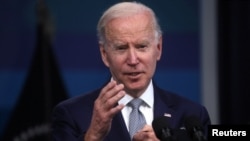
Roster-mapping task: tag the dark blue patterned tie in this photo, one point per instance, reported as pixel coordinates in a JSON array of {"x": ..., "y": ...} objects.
[{"x": 136, "y": 118}]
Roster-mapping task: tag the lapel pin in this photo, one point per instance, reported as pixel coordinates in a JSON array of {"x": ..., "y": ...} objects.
[{"x": 167, "y": 115}]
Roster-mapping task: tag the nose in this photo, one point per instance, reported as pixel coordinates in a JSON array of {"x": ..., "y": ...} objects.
[{"x": 132, "y": 58}]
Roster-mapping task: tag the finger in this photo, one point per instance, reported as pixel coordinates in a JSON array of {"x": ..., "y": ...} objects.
[
  {"x": 143, "y": 136},
  {"x": 116, "y": 109},
  {"x": 110, "y": 91},
  {"x": 107, "y": 101},
  {"x": 114, "y": 91},
  {"x": 106, "y": 88},
  {"x": 147, "y": 128},
  {"x": 112, "y": 101},
  {"x": 147, "y": 132}
]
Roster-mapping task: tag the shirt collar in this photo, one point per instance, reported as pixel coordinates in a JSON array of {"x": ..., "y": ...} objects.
[{"x": 147, "y": 96}]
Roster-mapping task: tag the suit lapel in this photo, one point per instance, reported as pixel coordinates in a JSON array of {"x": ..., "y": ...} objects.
[
  {"x": 164, "y": 105},
  {"x": 118, "y": 130}
]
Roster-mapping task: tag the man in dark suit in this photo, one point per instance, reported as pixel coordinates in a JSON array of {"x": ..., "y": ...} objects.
[{"x": 130, "y": 41}]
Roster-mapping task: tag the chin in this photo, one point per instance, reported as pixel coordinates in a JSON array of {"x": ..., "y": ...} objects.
[{"x": 135, "y": 88}]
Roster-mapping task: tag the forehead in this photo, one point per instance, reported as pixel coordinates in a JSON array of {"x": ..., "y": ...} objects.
[{"x": 130, "y": 26}]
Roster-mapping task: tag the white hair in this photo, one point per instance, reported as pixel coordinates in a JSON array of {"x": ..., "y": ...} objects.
[{"x": 124, "y": 9}]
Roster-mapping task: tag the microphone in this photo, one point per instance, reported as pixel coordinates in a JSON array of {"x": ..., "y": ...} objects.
[
  {"x": 195, "y": 128},
  {"x": 162, "y": 129}
]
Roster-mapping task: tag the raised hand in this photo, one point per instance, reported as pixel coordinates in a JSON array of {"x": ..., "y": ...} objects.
[{"x": 105, "y": 108}]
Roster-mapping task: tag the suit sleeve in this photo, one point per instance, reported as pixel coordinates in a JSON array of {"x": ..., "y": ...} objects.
[
  {"x": 63, "y": 126},
  {"x": 205, "y": 120}
]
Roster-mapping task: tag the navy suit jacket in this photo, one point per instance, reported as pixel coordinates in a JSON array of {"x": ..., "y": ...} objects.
[{"x": 71, "y": 118}]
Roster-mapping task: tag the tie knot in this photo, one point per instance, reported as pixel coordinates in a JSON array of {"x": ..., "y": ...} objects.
[{"x": 136, "y": 103}]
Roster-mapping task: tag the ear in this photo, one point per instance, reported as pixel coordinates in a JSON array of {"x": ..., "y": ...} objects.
[
  {"x": 104, "y": 54},
  {"x": 159, "y": 48}
]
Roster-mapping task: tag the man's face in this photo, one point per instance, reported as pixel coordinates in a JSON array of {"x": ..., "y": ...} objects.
[{"x": 131, "y": 52}]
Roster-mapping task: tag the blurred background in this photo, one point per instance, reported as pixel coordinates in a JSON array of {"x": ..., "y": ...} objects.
[{"x": 49, "y": 52}]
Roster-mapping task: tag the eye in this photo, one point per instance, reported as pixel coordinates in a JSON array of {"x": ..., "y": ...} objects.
[
  {"x": 121, "y": 47},
  {"x": 141, "y": 46}
]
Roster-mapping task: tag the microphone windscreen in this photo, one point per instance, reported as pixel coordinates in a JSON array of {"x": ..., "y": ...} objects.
[
  {"x": 159, "y": 124},
  {"x": 192, "y": 122},
  {"x": 194, "y": 128}
]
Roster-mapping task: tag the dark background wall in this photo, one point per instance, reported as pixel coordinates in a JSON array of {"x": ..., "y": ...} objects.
[{"x": 76, "y": 50}]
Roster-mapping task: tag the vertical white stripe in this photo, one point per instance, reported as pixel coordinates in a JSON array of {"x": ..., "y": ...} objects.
[{"x": 209, "y": 58}]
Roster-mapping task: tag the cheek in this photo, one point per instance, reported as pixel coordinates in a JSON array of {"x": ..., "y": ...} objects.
[
  {"x": 151, "y": 61},
  {"x": 152, "y": 64},
  {"x": 115, "y": 62}
]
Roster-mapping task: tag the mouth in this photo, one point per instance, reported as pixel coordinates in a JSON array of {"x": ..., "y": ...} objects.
[{"x": 133, "y": 75}]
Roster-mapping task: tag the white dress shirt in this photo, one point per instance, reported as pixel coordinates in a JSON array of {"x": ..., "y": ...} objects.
[{"x": 146, "y": 108}]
